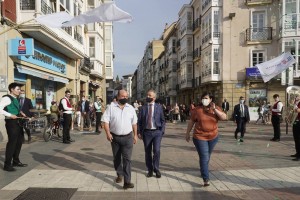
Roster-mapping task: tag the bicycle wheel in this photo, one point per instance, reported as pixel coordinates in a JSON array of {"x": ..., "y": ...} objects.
[{"x": 48, "y": 133}]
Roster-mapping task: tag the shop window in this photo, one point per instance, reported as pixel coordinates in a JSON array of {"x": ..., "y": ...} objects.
[{"x": 257, "y": 57}]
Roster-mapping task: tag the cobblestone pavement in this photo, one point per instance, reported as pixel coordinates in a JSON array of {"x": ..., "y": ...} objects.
[{"x": 254, "y": 169}]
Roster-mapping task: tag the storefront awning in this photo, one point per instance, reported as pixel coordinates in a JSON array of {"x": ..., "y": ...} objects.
[{"x": 40, "y": 74}]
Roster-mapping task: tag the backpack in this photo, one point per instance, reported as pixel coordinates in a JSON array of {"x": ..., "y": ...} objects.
[{"x": 60, "y": 106}]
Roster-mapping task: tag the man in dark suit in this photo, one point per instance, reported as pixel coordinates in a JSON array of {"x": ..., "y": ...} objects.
[
  {"x": 151, "y": 127},
  {"x": 225, "y": 106},
  {"x": 85, "y": 117},
  {"x": 241, "y": 117},
  {"x": 25, "y": 106}
]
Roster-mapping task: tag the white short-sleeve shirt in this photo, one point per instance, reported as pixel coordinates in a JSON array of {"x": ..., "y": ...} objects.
[{"x": 120, "y": 120}]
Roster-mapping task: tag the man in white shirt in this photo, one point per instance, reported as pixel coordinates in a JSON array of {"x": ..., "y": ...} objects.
[
  {"x": 120, "y": 121},
  {"x": 67, "y": 115},
  {"x": 98, "y": 106},
  {"x": 276, "y": 117}
]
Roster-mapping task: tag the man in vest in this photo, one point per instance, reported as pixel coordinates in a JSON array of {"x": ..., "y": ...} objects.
[
  {"x": 276, "y": 115},
  {"x": 67, "y": 115},
  {"x": 98, "y": 106},
  {"x": 10, "y": 108},
  {"x": 296, "y": 128}
]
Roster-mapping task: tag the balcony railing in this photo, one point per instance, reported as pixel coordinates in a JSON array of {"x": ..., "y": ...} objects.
[
  {"x": 196, "y": 53},
  {"x": 259, "y": 34},
  {"x": 27, "y": 4},
  {"x": 68, "y": 30},
  {"x": 78, "y": 37},
  {"x": 45, "y": 8},
  {"x": 216, "y": 34},
  {"x": 258, "y": 2},
  {"x": 196, "y": 24},
  {"x": 206, "y": 38}
]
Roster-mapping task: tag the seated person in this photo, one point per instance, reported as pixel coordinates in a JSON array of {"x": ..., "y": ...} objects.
[{"x": 54, "y": 111}]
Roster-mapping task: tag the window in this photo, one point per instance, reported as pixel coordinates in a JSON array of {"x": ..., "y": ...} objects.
[
  {"x": 216, "y": 24},
  {"x": 65, "y": 5},
  {"x": 216, "y": 69},
  {"x": 92, "y": 47},
  {"x": 27, "y": 4},
  {"x": 257, "y": 57}
]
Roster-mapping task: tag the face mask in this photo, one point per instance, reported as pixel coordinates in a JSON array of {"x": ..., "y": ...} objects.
[
  {"x": 123, "y": 101},
  {"x": 242, "y": 101},
  {"x": 205, "y": 102},
  {"x": 148, "y": 99},
  {"x": 22, "y": 95}
]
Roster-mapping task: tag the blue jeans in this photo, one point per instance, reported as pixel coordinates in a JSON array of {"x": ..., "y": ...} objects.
[{"x": 205, "y": 149}]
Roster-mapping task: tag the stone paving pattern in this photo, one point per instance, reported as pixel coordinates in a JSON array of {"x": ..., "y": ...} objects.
[{"x": 255, "y": 169}]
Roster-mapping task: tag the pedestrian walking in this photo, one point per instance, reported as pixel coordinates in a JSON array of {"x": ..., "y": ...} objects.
[
  {"x": 276, "y": 117},
  {"x": 151, "y": 128},
  {"x": 260, "y": 111},
  {"x": 67, "y": 116},
  {"x": 241, "y": 117},
  {"x": 176, "y": 112},
  {"x": 120, "y": 120},
  {"x": 225, "y": 106},
  {"x": 296, "y": 129},
  {"x": 85, "y": 114},
  {"x": 205, "y": 119},
  {"x": 98, "y": 107},
  {"x": 10, "y": 108},
  {"x": 25, "y": 106}
]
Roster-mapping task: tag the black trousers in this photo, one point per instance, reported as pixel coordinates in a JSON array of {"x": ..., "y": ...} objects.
[
  {"x": 241, "y": 126},
  {"x": 15, "y": 135},
  {"x": 296, "y": 134},
  {"x": 67, "y": 126},
  {"x": 98, "y": 120},
  {"x": 276, "y": 126}
]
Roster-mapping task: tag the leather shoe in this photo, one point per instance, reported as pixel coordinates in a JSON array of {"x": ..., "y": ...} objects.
[
  {"x": 66, "y": 142},
  {"x": 241, "y": 140},
  {"x": 119, "y": 179},
  {"x": 206, "y": 183},
  {"x": 294, "y": 155},
  {"x": 128, "y": 185},
  {"x": 150, "y": 174},
  {"x": 296, "y": 159},
  {"x": 158, "y": 174},
  {"x": 9, "y": 168},
  {"x": 19, "y": 164},
  {"x": 71, "y": 140}
]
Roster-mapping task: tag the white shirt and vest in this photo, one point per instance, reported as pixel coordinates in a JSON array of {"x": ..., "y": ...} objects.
[
  {"x": 120, "y": 120},
  {"x": 98, "y": 106},
  {"x": 67, "y": 105}
]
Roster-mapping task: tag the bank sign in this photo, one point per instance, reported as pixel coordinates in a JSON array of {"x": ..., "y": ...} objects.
[
  {"x": 20, "y": 47},
  {"x": 46, "y": 60},
  {"x": 253, "y": 73}
]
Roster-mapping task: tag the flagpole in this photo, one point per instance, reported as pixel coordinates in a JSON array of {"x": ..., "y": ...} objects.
[{"x": 15, "y": 26}]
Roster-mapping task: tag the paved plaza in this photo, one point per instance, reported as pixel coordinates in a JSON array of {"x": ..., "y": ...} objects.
[{"x": 255, "y": 169}]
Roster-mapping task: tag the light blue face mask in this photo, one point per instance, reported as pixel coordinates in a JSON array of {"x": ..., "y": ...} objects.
[{"x": 242, "y": 101}]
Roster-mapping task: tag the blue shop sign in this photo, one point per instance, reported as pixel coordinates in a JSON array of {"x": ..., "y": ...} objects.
[
  {"x": 253, "y": 73},
  {"x": 46, "y": 60},
  {"x": 20, "y": 47}
]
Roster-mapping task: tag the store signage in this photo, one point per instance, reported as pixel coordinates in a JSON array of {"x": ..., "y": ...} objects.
[
  {"x": 20, "y": 47},
  {"x": 47, "y": 60},
  {"x": 253, "y": 73}
]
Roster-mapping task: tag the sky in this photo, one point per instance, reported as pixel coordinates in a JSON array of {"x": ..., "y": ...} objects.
[{"x": 149, "y": 19}]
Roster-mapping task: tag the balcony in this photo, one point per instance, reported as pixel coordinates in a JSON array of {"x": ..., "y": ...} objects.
[
  {"x": 197, "y": 24},
  {"x": 196, "y": 54},
  {"x": 45, "y": 8},
  {"x": 86, "y": 65},
  {"x": 258, "y": 2},
  {"x": 78, "y": 37},
  {"x": 259, "y": 35}
]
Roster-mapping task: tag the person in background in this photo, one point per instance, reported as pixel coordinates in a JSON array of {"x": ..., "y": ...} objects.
[
  {"x": 241, "y": 116},
  {"x": 78, "y": 115},
  {"x": 98, "y": 107},
  {"x": 85, "y": 117},
  {"x": 276, "y": 117},
  {"x": 25, "y": 106},
  {"x": 54, "y": 111},
  {"x": 225, "y": 106},
  {"x": 205, "y": 119},
  {"x": 296, "y": 128},
  {"x": 136, "y": 106},
  {"x": 74, "y": 106},
  {"x": 120, "y": 121},
  {"x": 67, "y": 116},
  {"x": 260, "y": 112},
  {"x": 175, "y": 113},
  {"x": 10, "y": 108}
]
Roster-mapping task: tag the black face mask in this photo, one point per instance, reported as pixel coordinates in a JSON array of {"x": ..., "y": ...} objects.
[
  {"x": 148, "y": 99},
  {"x": 123, "y": 101}
]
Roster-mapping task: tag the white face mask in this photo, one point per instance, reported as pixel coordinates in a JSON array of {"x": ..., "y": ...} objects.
[
  {"x": 242, "y": 101},
  {"x": 22, "y": 95},
  {"x": 205, "y": 102}
]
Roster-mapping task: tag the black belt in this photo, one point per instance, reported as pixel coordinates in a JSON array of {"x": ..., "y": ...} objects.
[
  {"x": 120, "y": 135},
  {"x": 151, "y": 129}
]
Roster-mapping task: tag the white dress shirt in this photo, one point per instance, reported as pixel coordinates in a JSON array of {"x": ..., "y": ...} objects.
[
  {"x": 5, "y": 101},
  {"x": 98, "y": 106},
  {"x": 120, "y": 120},
  {"x": 152, "y": 116},
  {"x": 67, "y": 110},
  {"x": 279, "y": 108}
]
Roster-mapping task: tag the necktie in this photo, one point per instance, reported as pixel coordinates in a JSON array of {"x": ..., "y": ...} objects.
[
  {"x": 242, "y": 110},
  {"x": 149, "y": 122}
]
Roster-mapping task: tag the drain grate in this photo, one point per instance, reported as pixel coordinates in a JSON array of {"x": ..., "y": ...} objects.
[{"x": 47, "y": 194}]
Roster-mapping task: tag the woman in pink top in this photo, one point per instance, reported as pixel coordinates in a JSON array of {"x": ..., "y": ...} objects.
[{"x": 205, "y": 118}]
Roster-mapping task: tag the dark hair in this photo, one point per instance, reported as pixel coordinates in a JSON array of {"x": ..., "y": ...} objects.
[
  {"x": 67, "y": 91},
  {"x": 275, "y": 96},
  {"x": 13, "y": 86},
  {"x": 241, "y": 97},
  {"x": 208, "y": 94}
]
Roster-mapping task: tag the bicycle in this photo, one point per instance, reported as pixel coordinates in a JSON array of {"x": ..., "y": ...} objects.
[{"x": 53, "y": 128}]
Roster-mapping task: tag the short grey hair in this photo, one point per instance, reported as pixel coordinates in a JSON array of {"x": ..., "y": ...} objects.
[{"x": 153, "y": 91}]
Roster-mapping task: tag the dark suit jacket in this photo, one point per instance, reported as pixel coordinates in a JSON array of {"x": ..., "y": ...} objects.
[
  {"x": 223, "y": 106},
  {"x": 86, "y": 106},
  {"x": 237, "y": 112},
  {"x": 27, "y": 105},
  {"x": 159, "y": 118}
]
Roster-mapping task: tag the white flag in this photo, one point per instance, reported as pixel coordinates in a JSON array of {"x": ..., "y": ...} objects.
[
  {"x": 106, "y": 12},
  {"x": 273, "y": 67}
]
